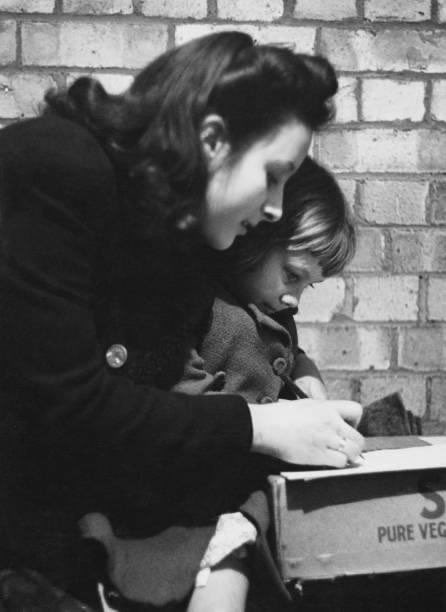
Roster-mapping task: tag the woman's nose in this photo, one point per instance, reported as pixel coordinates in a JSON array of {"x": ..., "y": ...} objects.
[{"x": 272, "y": 211}]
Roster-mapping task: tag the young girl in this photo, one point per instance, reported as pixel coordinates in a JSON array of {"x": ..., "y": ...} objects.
[
  {"x": 251, "y": 347},
  {"x": 106, "y": 205}
]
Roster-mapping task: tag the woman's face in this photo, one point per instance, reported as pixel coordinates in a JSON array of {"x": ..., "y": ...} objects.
[
  {"x": 278, "y": 280},
  {"x": 243, "y": 191}
]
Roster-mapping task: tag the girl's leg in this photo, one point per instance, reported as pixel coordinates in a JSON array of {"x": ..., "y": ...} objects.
[{"x": 226, "y": 589}]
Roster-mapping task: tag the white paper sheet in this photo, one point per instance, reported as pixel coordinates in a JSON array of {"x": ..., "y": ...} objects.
[{"x": 389, "y": 460}]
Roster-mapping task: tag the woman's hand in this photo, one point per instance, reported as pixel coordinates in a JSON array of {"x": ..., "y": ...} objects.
[{"x": 312, "y": 432}]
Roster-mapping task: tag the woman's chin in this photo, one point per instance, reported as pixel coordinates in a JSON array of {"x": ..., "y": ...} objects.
[
  {"x": 218, "y": 240},
  {"x": 222, "y": 245}
]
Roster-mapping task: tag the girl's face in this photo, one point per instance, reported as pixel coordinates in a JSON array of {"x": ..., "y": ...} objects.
[
  {"x": 243, "y": 191},
  {"x": 278, "y": 280}
]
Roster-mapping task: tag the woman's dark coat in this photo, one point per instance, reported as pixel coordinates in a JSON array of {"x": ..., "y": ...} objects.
[{"x": 77, "y": 435}]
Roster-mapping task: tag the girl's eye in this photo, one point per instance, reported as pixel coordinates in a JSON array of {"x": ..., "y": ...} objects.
[
  {"x": 311, "y": 285},
  {"x": 292, "y": 277}
]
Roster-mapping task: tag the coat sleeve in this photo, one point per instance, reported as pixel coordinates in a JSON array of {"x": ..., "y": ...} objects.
[
  {"x": 57, "y": 190},
  {"x": 304, "y": 366}
]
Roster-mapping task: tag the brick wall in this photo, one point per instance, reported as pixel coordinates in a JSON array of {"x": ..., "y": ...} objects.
[{"x": 382, "y": 327}]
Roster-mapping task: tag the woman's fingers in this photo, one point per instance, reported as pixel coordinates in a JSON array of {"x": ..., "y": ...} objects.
[
  {"x": 350, "y": 411},
  {"x": 349, "y": 447},
  {"x": 350, "y": 433},
  {"x": 337, "y": 459},
  {"x": 307, "y": 432}
]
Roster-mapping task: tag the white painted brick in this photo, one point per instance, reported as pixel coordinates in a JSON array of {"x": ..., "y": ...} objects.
[
  {"x": 348, "y": 187},
  {"x": 419, "y": 251},
  {"x": 21, "y": 93},
  {"x": 96, "y": 44},
  {"x": 27, "y": 6},
  {"x": 438, "y": 107},
  {"x": 115, "y": 83},
  {"x": 369, "y": 256},
  {"x": 98, "y": 7},
  {"x": 397, "y": 10},
  {"x": 338, "y": 388},
  {"x": 411, "y": 388},
  {"x": 436, "y": 299},
  {"x": 250, "y": 10},
  {"x": 438, "y": 202},
  {"x": 323, "y": 301},
  {"x": 330, "y": 10},
  {"x": 395, "y": 202},
  {"x": 390, "y": 100},
  {"x": 386, "y": 298},
  {"x": 385, "y": 50},
  {"x": 347, "y": 347},
  {"x": 7, "y": 41},
  {"x": 300, "y": 39},
  {"x": 431, "y": 150},
  {"x": 346, "y": 101},
  {"x": 383, "y": 150},
  {"x": 422, "y": 348},
  {"x": 438, "y": 405},
  {"x": 187, "y": 9}
]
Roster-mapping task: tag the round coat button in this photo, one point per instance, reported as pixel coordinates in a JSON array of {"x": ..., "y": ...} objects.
[
  {"x": 116, "y": 355},
  {"x": 279, "y": 365}
]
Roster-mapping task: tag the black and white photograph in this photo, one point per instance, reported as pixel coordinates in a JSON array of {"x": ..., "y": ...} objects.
[{"x": 222, "y": 305}]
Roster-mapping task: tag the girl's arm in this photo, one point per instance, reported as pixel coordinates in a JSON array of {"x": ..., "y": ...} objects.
[
  {"x": 226, "y": 589},
  {"x": 307, "y": 377}
]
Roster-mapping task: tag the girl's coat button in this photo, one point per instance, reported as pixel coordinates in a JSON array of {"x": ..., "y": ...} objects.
[{"x": 279, "y": 365}]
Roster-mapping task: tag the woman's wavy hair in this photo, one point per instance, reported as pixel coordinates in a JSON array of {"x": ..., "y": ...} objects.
[
  {"x": 152, "y": 131},
  {"x": 315, "y": 218}
]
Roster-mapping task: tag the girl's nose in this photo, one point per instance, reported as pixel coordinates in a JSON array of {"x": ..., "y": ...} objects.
[{"x": 289, "y": 300}]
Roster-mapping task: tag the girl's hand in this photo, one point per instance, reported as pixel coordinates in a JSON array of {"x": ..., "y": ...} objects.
[
  {"x": 313, "y": 387},
  {"x": 308, "y": 431}
]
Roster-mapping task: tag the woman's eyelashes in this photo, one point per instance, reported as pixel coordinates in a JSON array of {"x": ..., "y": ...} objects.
[{"x": 271, "y": 179}]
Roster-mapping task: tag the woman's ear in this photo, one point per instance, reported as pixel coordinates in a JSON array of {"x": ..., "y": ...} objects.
[{"x": 214, "y": 140}]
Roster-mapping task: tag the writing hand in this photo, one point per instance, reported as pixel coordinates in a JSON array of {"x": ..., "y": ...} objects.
[{"x": 308, "y": 431}]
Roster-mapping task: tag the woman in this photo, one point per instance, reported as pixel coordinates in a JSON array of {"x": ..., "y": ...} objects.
[{"x": 107, "y": 205}]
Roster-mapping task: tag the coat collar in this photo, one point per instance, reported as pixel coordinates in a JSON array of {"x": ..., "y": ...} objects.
[{"x": 266, "y": 321}]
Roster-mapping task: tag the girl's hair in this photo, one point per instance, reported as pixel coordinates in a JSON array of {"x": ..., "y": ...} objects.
[
  {"x": 315, "y": 219},
  {"x": 152, "y": 131}
]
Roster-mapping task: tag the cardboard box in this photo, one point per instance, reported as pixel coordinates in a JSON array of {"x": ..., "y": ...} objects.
[{"x": 386, "y": 515}]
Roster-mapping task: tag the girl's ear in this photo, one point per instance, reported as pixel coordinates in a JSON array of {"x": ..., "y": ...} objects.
[{"x": 214, "y": 140}]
